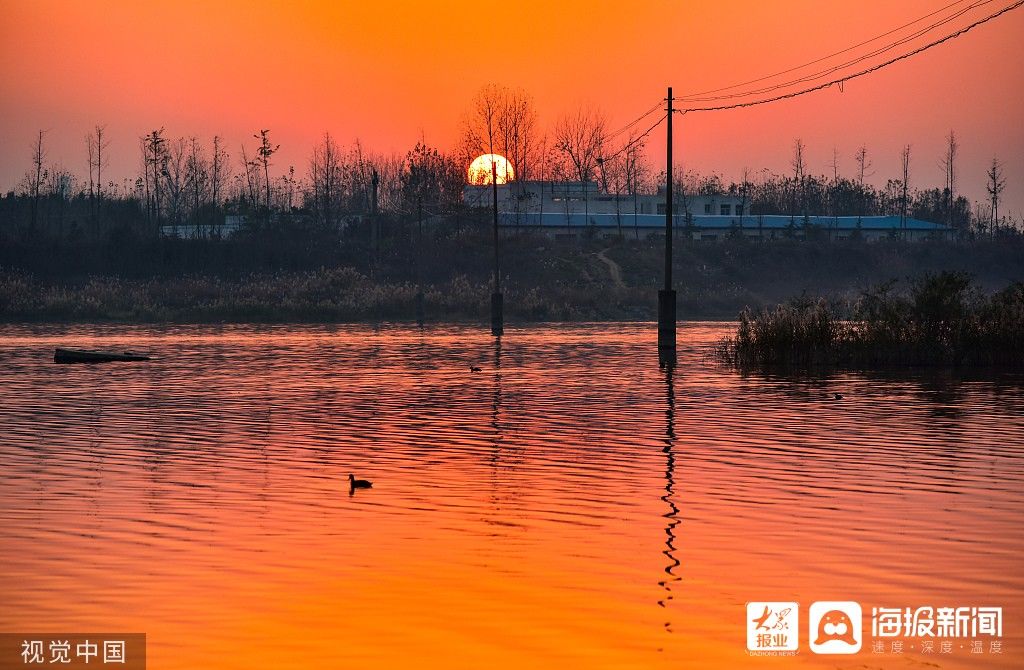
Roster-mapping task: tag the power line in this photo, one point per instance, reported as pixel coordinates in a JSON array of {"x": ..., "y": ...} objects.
[
  {"x": 636, "y": 140},
  {"x": 841, "y": 66},
  {"x": 633, "y": 122},
  {"x": 861, "y": 73},
  {"x": 823, "y": 58}
]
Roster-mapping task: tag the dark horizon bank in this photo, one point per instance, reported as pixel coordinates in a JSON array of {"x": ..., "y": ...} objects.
[{"x": 281, "y": 274}]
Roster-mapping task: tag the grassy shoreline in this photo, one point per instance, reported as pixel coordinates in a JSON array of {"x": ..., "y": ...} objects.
[
  {"x": 939, "y": 319},
  {"x": 301, "y": 279},
  {"x": 336, "y": 295},
  {"x": 544, "y": 280}
]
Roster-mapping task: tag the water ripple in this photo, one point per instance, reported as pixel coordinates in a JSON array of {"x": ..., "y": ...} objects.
[{"x": 571, "y": 501}]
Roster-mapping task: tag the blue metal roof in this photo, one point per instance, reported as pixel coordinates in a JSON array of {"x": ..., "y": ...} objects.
[{"x": 711, "y": 222}]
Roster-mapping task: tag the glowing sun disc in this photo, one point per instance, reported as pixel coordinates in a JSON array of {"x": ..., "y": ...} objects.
[{"x": 480, "y": 169}]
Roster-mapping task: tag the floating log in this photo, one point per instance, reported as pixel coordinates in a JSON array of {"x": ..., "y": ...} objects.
[{"x": 86, "y": 356}]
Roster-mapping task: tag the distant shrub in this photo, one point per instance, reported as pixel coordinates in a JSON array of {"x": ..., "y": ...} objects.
[{"x": 941, "y": 319}]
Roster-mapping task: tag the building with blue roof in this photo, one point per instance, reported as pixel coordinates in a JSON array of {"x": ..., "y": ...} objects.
[
  {"x": 713, "y": 227},
  {"x": 572, "y": 209}
]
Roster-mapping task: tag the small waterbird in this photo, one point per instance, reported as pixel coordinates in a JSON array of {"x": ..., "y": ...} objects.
[
  {"x": 837, "y": 396},
  {"x": 473, "y": 368},
  {"x": 354, "y": 483}
]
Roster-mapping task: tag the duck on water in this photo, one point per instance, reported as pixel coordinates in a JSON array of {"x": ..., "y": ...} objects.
[{"x": 354, "y": 483}]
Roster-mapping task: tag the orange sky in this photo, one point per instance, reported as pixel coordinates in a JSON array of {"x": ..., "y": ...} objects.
[{"x": 387, "y": 72}]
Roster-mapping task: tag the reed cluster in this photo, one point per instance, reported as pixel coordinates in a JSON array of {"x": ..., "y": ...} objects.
[{"x": 937, "y": 319}]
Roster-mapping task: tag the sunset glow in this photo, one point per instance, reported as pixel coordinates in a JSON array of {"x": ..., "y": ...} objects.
[{"x": 390, "y": 78}]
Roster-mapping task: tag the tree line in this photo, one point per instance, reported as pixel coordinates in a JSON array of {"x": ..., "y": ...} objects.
[
  {"x": 189, "y": 181},
  {"x": 800, "y": 194}
]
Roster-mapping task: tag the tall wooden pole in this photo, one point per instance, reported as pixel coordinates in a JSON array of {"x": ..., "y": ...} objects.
[
  {"x": 375, "y": 222},
  {"x": 497, "y": 317},
  {"x": 668, "y": 196},
  {"x": 419, "y": 260},
  {"x": 667, "y": 296}
]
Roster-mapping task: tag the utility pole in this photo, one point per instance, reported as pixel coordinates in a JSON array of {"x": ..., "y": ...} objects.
[
  {"x": 667, "y": 296},
  {"x": 375, "y": 233},
  {"x": 374, "y": 220},
  {"x": 497, "y": 319},
  {"x": 419, "y": 260}
]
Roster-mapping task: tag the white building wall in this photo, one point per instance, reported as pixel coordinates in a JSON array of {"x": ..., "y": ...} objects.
[{"x": 586, "y": 197}]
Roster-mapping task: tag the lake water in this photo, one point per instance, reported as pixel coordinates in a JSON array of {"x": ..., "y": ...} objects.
[{"x": 572, "y": 505}]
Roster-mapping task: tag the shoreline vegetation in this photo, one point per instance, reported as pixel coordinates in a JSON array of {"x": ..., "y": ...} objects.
[
  {"x": 200, "y": 234},
  {"x": 293, "y": 278},
  {"x": 940, "y": 319}
]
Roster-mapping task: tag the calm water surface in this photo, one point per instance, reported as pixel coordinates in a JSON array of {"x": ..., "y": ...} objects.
[{"x": 572, "y": 505}]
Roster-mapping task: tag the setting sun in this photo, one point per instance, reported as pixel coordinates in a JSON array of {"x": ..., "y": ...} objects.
[
  {"x": 553, "y": 335},
  {"x": 480, "y": 170}
]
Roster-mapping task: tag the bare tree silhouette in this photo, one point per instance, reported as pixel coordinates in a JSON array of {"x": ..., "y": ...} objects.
[
  {"x": 264, "y": 152},
  {"x": 905, "y": 188},
  {"x": 949, "y": 166},
  {"x": 36, "y": 176},
  {"x": 994, "y": 188}
]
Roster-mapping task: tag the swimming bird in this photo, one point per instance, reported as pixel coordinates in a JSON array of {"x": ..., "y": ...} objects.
[
  {"x": 354, "y": 483},
  {"x": 837, "y": 396},
  {"x": 473, "y": 368}
]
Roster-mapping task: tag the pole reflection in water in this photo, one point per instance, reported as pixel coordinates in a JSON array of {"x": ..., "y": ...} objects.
[
  {"x": 505, "y": 502},
  {"x": 671, "y": 516},
  {"x": 496, "y": 406}
]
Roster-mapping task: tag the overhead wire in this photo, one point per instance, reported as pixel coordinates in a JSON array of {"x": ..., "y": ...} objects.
[
  {"x": 637, "y": 139},
  {"x": 839, "y": 80},
  {"x": 634, "y": 122},
  {"x": 824, "y": 58},
  {"x": 860, "y": 73},
  {"x": 835, "y": 68}
]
